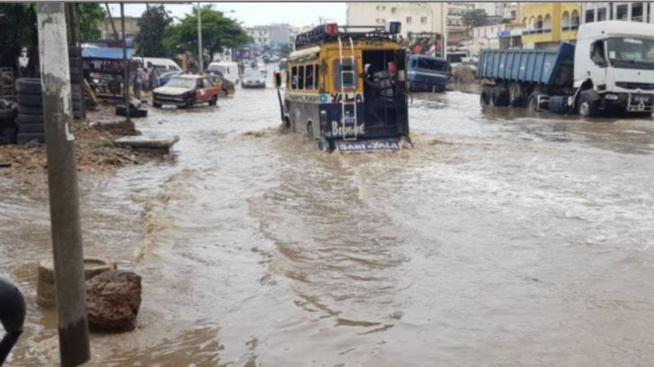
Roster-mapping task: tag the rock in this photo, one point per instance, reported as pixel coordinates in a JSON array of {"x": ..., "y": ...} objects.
[{"x": 113, "y": 300}]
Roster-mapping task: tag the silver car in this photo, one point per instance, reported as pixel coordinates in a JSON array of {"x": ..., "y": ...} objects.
[{"x": 253, "y": 79}]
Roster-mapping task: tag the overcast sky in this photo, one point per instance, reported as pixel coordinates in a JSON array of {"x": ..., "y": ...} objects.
[{"x": 251, "y": 14}]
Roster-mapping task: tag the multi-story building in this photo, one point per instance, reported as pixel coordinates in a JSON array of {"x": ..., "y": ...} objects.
[
  {"x": 634, "y": 12},
  {"x": 546, "y": 25},
  {"x": 131, "y": 27},
  {"x": 510, "y": 11},
  {"x": 260, "y": 35},
  {"x": 488, "y": 36},
  {"x": 279, "y": 34},
  {"x": 415, "y": 17}
]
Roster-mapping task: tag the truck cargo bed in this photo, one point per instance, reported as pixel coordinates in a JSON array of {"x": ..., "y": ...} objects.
[{"x": 548, "y": 67}]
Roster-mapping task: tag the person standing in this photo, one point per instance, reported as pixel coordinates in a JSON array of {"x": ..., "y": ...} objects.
[{"x": 139, "y": 78}]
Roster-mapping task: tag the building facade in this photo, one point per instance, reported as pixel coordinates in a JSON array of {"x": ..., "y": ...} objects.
[
  {"x": 633, "y": 12},
  {"x": 546, "y": 25},
  {"x": 260, "y": 35},
  {"x": 131, "y": 27},
  {"x": 415, "y": 17},
  {"x": 279, "y": 34}
]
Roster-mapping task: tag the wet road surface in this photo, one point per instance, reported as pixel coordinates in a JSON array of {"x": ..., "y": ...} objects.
[{"x": 501, "y": 240}]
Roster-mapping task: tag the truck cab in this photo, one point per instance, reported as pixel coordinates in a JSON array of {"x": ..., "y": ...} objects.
[{"x": 614, "y": 68}]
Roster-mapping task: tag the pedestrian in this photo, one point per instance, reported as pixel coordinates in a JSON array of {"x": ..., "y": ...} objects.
[{"x": 139, "y": 78}]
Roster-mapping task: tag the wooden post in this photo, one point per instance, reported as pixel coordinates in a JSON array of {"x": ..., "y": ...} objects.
[{"x": 73, "y": 326}]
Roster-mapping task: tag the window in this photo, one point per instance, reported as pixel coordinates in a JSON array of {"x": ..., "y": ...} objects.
[
  {"x": 423, "y": 20},
  {"x": 381, "y": 7},
  {"x": 637, "y": 12},
  {"x": 393, "y": 10},
  {"x": 381, "y": 20},
  {"x": 575, "y": 18},
  {"x": 207, "y": 83},
  {"x": 300, "y": 73},
  {"x": 309, "y": 78},
  {"x": 408, "y": 20},
  {"x": 294, "y": 79},
  {"x": 623, "y": 12},
  {"x": 349, "y": 75},
  {"x": 601, "y": 14},
  {"x": 590, "y": 16}
]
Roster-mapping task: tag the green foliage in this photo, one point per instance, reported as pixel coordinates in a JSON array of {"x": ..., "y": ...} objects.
[
  {"x": 21, "y": 30},
  {"x": 90, "y": 17},
  {"x": 474, "y": 18},
  {"x": 218, "y": 33},
  {"x": 153, "y": 26}
]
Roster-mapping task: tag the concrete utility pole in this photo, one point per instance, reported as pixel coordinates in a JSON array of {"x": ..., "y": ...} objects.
[
  {"x": 73, "y": 325},
  {"x": 127, "y": 64},
  {"x": 200, "y": 53}
]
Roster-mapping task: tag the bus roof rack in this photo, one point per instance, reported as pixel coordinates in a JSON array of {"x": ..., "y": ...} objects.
[{"x": 319, "y": 35}]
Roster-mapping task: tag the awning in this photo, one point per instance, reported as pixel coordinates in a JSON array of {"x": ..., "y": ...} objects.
[{"x": 105, "y": 53}]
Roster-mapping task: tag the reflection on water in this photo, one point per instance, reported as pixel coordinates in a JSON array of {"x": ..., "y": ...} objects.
[{"x": 501, "y": 239}]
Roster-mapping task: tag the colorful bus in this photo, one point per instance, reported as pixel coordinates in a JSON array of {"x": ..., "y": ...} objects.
[{"x": 346, "y": 88}]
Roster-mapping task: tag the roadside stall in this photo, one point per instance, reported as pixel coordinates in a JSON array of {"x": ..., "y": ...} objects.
[{"x": 104, "y": 67}]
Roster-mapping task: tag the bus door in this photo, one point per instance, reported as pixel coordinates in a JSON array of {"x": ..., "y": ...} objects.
[{"x": 382, "y": 92}]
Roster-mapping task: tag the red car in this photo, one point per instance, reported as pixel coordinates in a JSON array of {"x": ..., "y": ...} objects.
[{"x": 185, "y": 91}]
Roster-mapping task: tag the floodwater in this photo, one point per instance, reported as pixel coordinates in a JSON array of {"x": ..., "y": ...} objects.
[{"x": 500, "y": 240}]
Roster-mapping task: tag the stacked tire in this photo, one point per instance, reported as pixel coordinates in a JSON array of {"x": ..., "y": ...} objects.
[
  {"x": 8, "y": 130},
  {"x": 30, "y": 111},
  {"x": 75, "y": 63}
]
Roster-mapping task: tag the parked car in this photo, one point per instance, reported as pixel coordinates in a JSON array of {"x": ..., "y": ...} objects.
[
  {"x": 253, "y": 79},
  {"x": 163, "y": 79},
  {"x": 185, "y": 91}
]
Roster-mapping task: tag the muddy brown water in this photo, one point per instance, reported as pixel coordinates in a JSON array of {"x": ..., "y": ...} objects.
[{"x": 501, "y": 240}]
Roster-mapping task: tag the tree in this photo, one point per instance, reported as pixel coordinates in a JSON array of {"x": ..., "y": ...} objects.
[
  {"x": 22, "y": 29},
  {"x": 153, "y": 24},
  {"x": 218, "y": 33},
  {"x": 90, "y": 17},
  {"x": 474, "y": 18}
]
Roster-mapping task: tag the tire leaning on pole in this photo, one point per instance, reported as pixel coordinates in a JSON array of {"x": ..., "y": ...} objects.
[{"x": 70, "y": 287}]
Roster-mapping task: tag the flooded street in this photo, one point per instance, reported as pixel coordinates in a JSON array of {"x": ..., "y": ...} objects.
[{"x": 500, "y": 240}]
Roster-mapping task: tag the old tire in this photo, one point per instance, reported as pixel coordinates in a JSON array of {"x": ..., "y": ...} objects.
[
  {"x": 30, "y": 119},
  {"x": 38, "y": 128},
  {"x": 9, "y": 113},
  {"x": 32, "y": 100},
  {"x": 29, "y": 110},
  {"x": 588, "y": 107},
  {"x": 28, "y": 85},
  {"x": 515, "y": 95}
]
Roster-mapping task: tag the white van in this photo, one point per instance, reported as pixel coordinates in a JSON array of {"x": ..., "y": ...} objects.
[
  {"x": 164, "y": 65},
  {"x": 229, "y": 69}
]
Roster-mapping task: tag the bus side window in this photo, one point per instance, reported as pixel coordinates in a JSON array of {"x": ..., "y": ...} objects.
[
  {"x": 294, "y": 78},
  {"x": 348, "y": 71},
  {"x": 316, "y": 73},
  {"x": 309, "y": 79},
  {"x": 300, "y": 78}
]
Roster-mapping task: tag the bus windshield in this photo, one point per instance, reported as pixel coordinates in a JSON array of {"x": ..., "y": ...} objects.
[
  {"x": 631, "y": 52},
  {"x": 432, "y": 64}
]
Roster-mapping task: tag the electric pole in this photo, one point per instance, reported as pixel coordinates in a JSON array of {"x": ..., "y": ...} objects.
[{"x": 67, "y": 248}]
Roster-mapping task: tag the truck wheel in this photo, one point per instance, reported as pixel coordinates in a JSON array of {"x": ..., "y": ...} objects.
[
  {"x": 515, "y": 95},
  {"x": 499, "y": 97},
  {"x": 587, "y": 106},
  {"x": 484, "y": 98}
]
